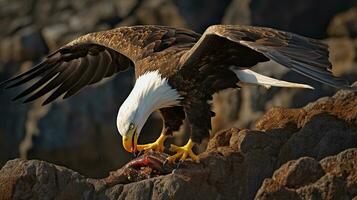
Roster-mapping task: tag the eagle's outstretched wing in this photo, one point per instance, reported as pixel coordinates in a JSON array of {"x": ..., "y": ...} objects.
[
  {"x": 92, "y": 57},
  {"x": 245, "y": 46}
]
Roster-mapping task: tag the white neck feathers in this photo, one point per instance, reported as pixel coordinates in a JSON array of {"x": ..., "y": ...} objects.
[{"x": 151, "y": 92}]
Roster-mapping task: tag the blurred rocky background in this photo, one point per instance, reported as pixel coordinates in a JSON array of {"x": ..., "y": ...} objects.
[{"x": 80, "y": 133}]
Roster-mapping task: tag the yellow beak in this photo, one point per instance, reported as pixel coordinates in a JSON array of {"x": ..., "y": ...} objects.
[{"x": 130, "y": 141}]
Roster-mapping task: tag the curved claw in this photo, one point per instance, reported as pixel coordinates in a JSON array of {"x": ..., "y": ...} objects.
[
  {"x": 139, "y": 153},
  {"x": 165, "y": 163},
  {"x": 183, "y": 152}
]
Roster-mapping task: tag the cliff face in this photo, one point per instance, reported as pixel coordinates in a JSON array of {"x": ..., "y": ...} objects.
[{"x": 293, "y": 153}]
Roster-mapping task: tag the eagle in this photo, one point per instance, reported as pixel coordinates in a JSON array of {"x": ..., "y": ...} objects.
[{"x": 177, "y": 71}]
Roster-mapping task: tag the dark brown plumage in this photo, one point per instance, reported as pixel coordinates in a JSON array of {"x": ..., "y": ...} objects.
[{"x": 196, "y": 65}]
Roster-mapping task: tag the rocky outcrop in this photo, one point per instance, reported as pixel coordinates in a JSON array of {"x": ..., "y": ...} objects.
[
  {"x": 334, "y": 177},
  {"x": 295, "y": 153}
]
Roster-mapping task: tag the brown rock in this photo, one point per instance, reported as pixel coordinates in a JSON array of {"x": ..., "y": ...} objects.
[
  {"x": 328, "y": 115},
  {"x": 298, "y": 173},
  {"x": 342, "y": 105},
  {"x": 242, "y": 17},
  {"x": 313, "y": 180},
  {"x": 344, "y": 24},
  {"x": 343, "y": 52},
  {"x": 276, "y": 191},
  {"x": 22, "y": 179}
]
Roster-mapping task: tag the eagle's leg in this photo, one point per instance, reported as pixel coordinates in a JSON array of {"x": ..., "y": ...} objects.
[
  {"x": 198, "y": 113},
  {"x": 183, "y": 152},
  {"x": 172, "y": 120}
]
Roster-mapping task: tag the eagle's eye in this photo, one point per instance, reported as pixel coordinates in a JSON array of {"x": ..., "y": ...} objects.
[{"x": 131, "y": 126}]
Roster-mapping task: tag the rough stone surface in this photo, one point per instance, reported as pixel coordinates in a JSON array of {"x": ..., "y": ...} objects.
[
  {"x": 332, "y": 178},
  {"x": 344, "y": 24},
  {"x": 236, "y": 164}
]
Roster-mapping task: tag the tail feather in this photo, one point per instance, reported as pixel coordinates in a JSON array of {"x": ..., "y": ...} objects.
[{"x": 247, "y": 76}]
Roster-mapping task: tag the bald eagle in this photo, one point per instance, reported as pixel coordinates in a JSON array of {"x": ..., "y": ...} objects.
[{"x": 177, "y": 71}]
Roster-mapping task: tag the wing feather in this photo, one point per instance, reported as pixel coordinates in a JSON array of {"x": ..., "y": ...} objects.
[
  {"x": 306, "y": 56},
  {"x": 102, "y": 69},
  {"x": 56, "y": 81},
  {"x": 92, "y": 57},
  {"x": 37, "y": 85},
  {"x": 20, "y": 80},
  {"x": 68, "y": 83},
  {"x": 85, "y": 78}
]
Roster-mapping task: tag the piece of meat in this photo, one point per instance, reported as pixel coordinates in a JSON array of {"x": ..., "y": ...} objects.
[{"x": 143, "y": 167}]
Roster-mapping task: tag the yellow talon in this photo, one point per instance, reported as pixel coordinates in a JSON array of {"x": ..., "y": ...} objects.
[
  {"x": 183, "y": 152},
  {"x": 158, "y": 145}
]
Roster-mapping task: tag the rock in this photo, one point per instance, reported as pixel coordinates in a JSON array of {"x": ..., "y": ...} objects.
[
  {"x": 333, "y": 178},
  {"x": 343, "y": 54},
  {"x": 235, "y": 165},
  {"x": 298, "y": 173},
  {"x": 227, "y": 106},
  {"x": 53, "y": 34},
  {"x": 19, "y": 48},
  {"x": 344, "y": 24},
  {"x": 30, "y": 37},
  {"x": 289, "y": 16},
  {"x": 12, "y": 119},
  {"x": 191, "y": 11},
  {"x": 327, "y": 114},
  {"x": 242, "y": 17},
  {"x": 40, "y": 180},
  {"x": 341, "y": 105},
  {"x": 166, "y": 13}
]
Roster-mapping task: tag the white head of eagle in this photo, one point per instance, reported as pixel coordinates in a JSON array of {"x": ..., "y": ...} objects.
[{"x": 151, "y": 92}]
